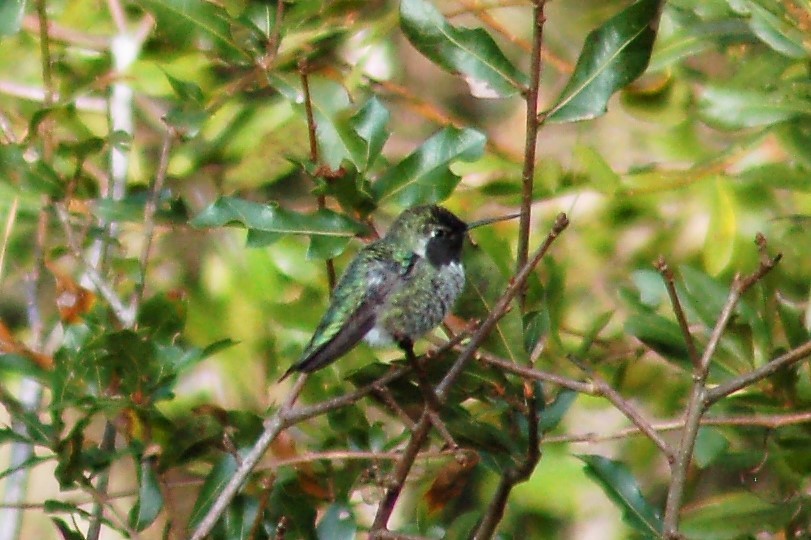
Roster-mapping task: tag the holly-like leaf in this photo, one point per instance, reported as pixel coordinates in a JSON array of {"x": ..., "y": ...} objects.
[
  {"x": 623, "y": 490},
  {"x": 471, "y": 53},
  {"x": 181, "y": 20},
  {"x": 370, "y": 125},
  {"x": 614, "y": 55},
  {"x": 424, "y": 176},
  {"x": 275, "y": 219}
]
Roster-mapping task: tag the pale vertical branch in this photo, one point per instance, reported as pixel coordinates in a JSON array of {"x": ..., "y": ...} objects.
[
  {"x": 10, "y": 219},
  {"x": 124, "y": 50},
  {"x": 30, "y": 390}
]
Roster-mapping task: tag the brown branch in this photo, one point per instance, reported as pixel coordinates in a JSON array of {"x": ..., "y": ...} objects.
[
  {"x": 667, "y": 275},
  {"x": 314, "y": 157},
  {"x": 747, "y": 379},
  {"x": 531, "y": 139},
  {"x": 598, "y": 387},
  {"x": 697, "y": 404},
  {"x": 762, "y": 421}
]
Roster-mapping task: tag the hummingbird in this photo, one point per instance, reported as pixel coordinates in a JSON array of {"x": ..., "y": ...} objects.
[{"x": 396, "y": 289}]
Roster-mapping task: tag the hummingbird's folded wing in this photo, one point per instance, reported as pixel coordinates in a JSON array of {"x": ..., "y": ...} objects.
[{"x": 353, "y": 308}]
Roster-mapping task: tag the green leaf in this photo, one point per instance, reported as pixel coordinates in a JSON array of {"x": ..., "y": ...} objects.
[
  {"x": 622, "y": 488},
  {"x": 65, "y": 531},
  {"x": 11, "y": 16},
  {"x": 370, "y": 124},
  {"x": 652, "y": 290},
  {"x": 186, "y": 90},
  {"x": 735, "y": 108},
  {"x": 472, "y": 53},
  {"x": 719, "y": 244},
  {"x": 697, "y": 36},
  {"x": 554, "y": 413},
  {"x": 182, "y": 20},
  {"x": 601, "y": 176},
  {"x": 735, "y": 515},
  {"x": 214, "y": 483},
  {"x": 662, "y": 335},
  {"x": 710, "y": 445},
  {"x": 424, "y": 176},
  {"x": 776, "y": 26},
  {"x": 338, "y": 523},
  {"x": 613, "y": 55},
  {"x": 275, "y": 219},
  {"x": 536, "y": 325},
  {"x": 150, "y": 498}
]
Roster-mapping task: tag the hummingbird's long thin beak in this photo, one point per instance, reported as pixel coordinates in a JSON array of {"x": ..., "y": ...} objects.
[{"x": 488, "y": 221}]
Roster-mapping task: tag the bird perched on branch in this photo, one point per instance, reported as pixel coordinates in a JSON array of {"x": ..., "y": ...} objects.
[{"x": 396, "y": 289}]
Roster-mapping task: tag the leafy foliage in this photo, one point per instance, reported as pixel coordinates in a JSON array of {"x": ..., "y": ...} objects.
[{"x": 179, "y": 179}]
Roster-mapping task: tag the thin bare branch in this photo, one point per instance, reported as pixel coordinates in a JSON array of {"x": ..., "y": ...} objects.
[
  {"x": 757, "y": 420},
  {"x": 150, "y": 210},
  {"x": 747, "y": 379},
  {"x": 531, "y": 137},
  {"x": 698, "y": 404},
  {"x": 314, "y": 156},
  {"x": 667, "y": 275}
]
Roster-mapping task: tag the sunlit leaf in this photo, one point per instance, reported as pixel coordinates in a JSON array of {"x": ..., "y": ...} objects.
[
  {"x": 623, "y": 490},
  {"x": 471, "y": 53},
  {"x": 424, "y": 176},
  {"x": 613, "y": 55},
  {"x": 719, "y": 245}
]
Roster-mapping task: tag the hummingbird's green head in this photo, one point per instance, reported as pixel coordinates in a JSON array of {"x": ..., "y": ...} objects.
[{"x": 429, "y": 231}]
